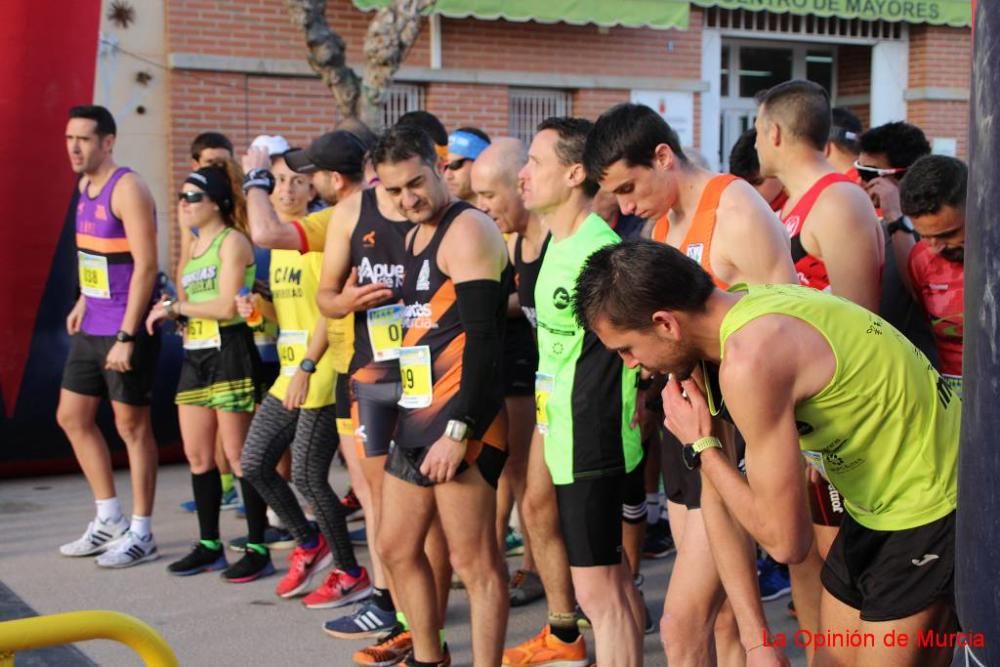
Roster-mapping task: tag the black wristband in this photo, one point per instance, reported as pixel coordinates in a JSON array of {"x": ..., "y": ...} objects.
[
  {"x": 898, "y": 225},
  {"x": 259, "y": 178}
]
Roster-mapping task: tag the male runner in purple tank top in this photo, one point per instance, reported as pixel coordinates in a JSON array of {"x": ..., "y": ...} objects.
[{"x": 111, "y": 356}]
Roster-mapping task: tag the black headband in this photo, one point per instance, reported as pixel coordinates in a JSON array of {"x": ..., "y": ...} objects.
[{"x": 215, "y": 183}]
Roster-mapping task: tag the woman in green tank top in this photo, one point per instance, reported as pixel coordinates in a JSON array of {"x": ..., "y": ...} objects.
[{"x": 220, "y": 378}]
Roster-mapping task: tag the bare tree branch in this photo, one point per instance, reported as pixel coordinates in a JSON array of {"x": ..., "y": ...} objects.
[
  {"x": 390, "y": 35},
  {"x": 327, "y": 54}
]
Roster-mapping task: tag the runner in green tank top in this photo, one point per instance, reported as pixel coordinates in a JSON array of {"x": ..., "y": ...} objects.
[{"x": 802, "y": 371}]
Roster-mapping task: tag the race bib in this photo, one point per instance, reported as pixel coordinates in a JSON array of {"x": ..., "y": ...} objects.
[
  {"x": 94, "y": 276},
  {"x": 543, "y": 389},
  {"x": 415, "y": 373},
  {"x": 385, "y": 331},
  {"x": 292, "y": 346},
  {"x": 202, "y": 335}
]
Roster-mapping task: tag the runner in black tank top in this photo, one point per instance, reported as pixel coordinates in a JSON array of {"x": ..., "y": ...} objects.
[{"x": 526, "y": 275}]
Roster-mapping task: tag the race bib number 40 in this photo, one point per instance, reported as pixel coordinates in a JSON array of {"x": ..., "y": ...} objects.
[
  {"x": 543, "y": 389},
  {"x": 415, "y": 374},
  {"x": 385, "y": 331},
  {"x": 202, "y": 335},
  {"x": 292, "y": 346},
  {"x": 94, "y": 276}
]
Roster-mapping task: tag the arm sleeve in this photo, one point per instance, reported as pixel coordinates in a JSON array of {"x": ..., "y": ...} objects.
[{"x": 480, "y": 306}]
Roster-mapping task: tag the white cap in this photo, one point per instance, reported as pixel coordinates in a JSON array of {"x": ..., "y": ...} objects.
[{"x": 276, "y": 145}]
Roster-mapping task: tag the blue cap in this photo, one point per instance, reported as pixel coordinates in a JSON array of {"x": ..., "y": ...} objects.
[{"x": 466, "y": 144}]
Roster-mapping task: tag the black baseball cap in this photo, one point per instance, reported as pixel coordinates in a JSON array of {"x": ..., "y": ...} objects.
[{"x": 339, "y": 151}]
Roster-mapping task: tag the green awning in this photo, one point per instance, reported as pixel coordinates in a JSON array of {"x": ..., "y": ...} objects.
[
  {"x": 628, "y": 13},
  {"x": 956, "y": 13}
]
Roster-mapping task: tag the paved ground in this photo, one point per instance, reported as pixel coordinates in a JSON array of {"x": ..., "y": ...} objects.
[{"x": 206, "y": 621}]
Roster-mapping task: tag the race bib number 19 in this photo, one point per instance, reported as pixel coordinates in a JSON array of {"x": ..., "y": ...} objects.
[
  {"x": 94, "y": 276},
  {"x": 415, "y": 374},
  {"x": 543, "y": 389},
  {"x": 385, "y": 331},
  {"x": 202, "y": 335},
  {"x": 292, "y": 347}
]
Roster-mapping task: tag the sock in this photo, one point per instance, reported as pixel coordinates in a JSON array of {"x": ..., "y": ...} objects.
[
  {"x": 259, "y": 548},
  {"x": 256, "y": 510},
  {"x": 652, "y": 508},
  {"x": 109, "y": 510},
  {"x": 383, "y": 599},
  {"x": 313, "y": 540},
  {"x": 140, "y": 526},
  {"x": 353, "y": 571},
  {"x": 564, "y": 627},
  {"x": 401, "y": 619},
  {"x": 214, "y": 545},
  {"x": 441, "y": 638},
  {"x": 227, "y": 482},
  {"x": 207, "y": 498}
]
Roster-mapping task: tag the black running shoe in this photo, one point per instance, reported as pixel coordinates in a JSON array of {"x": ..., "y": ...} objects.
[
  {"x": 252, "y": 566},
  {"x": 201, "y": 559}
]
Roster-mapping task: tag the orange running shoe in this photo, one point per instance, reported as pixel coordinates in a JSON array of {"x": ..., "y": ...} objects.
[
  {"x": 547, "y": 650},
  {"x": 390, "y": 651}
]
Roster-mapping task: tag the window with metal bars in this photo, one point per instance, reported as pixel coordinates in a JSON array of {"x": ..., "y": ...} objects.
[
  {"x": 527, "y": 107},
  {"x": 401, "y": 98}
]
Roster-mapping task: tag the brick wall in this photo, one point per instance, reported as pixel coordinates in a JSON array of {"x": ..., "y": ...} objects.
[
  {"x": 854, "y": 77},
  {"x": 941, "y": 57}
]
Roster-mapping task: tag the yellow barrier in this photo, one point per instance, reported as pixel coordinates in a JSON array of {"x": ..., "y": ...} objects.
[{"x": 77, "y": 626}]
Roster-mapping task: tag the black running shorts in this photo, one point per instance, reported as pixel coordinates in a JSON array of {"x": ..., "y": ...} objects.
[
  {"x": 590, "y": 518},
  {"x": 889, "y": 575},
  {"x": 374, "y": 413},
  {"x": 520, "y": 358},
  {"x": 226, "y": 378},
  {"x": 404, "y": 463},
  {"x": 85, "y": 373}
]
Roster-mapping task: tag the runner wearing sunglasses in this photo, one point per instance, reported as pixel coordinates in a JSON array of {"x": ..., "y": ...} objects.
[{"x": 464, "y": 146}]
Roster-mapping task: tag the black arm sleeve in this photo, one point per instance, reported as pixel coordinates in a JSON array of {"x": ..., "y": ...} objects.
[{"x": 481, "y": 308}]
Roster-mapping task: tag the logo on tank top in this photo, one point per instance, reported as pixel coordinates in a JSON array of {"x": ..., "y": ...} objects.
[
  {"x": 418, "y": 316},
  {"x": 560, "y": 298},
  {"x": 424, "y": 277},
  {"x": 390, "y": 275},
  {"x": 695, "y": 250},
  {"x": 791, "y": 224},
  {"x": 368, "y": 240},
  {"x": 100, "y": 212}
]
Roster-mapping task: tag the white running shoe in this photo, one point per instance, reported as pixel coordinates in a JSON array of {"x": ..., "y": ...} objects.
[
  {"x": 97, "y": 538},
  {"x": 129, "y": 551}
]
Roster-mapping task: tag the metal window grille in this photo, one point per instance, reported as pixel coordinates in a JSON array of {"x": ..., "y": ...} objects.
[
  {"x": 741, "y": 20},
  {"x": 401, "y": 98},
  {"x": 526, "y": 108}
]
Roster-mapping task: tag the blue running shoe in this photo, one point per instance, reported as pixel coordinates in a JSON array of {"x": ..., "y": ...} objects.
[
  {"x": 367, "y": 621},
  {"x": 230, "y": 501},
  {"x": 773, "y": 579},
  {"x": 359, "y": 537}
]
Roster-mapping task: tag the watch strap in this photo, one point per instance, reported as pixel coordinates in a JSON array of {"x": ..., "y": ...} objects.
[{"x": 702, "y": 444}]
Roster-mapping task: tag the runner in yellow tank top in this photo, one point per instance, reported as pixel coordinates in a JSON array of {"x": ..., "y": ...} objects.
[{"x": 802, "y": 371}]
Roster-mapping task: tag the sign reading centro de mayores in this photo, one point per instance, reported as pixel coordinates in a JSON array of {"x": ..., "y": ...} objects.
[{"x": 938, "y": 12}]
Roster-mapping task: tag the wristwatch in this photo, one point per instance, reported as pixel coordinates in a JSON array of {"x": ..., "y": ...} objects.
[
  {"x": 692, "y": 452},
  {"x": 456, "y": 430},
  {"x": 124, "y": 337},
  {"x": 901, "y": 224},
  {"x": 307, "y": 366}
]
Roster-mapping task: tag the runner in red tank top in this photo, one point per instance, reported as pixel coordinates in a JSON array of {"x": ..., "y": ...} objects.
[
  {"x": 837, "y": 245},
  {"x": 722, "y": 223}
]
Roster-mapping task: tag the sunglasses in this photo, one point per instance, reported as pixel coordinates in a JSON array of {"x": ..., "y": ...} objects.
[
  {"x": 870, "y": 173},
  {"x": 455, "y": 165},
  {"x": 191, "y": 196}
]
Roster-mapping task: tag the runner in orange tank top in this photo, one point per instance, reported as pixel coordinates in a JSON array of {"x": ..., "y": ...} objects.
[{"x": 723, "y": 224}]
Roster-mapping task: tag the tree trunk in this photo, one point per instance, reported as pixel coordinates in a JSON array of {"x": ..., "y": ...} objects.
[
  {"x": 390, "y": 35},
  {"x": 327, "y": 54}
]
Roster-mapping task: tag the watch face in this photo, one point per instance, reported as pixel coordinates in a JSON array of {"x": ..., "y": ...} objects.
[{"x": 691, "y": 458}]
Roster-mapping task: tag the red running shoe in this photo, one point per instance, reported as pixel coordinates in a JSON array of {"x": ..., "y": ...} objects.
[
  {"x": 339, "y": 589},
  {"x": 303, "y": 565},
  {"x": 352, "y": 507}
]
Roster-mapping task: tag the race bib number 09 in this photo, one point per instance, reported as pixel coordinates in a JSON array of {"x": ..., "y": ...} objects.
[
  {"x": 292, "y": 346},
  {"x": 202, "y": 335},
  {"x": 543, "y": 389},
  {"x": 415, "y": 374},
  {"x": 94, "y": 280},
  {"x": 385, "y": 331}
]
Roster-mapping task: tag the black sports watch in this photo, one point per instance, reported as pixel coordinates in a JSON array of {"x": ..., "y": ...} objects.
[
  {"x": 124, "y": 337},
  {"x": 900, "y": 224},
  {"x": 307, "y": 366},
  {"x": 692, "y": 453},
  {"x": 259, "y": 178}
]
